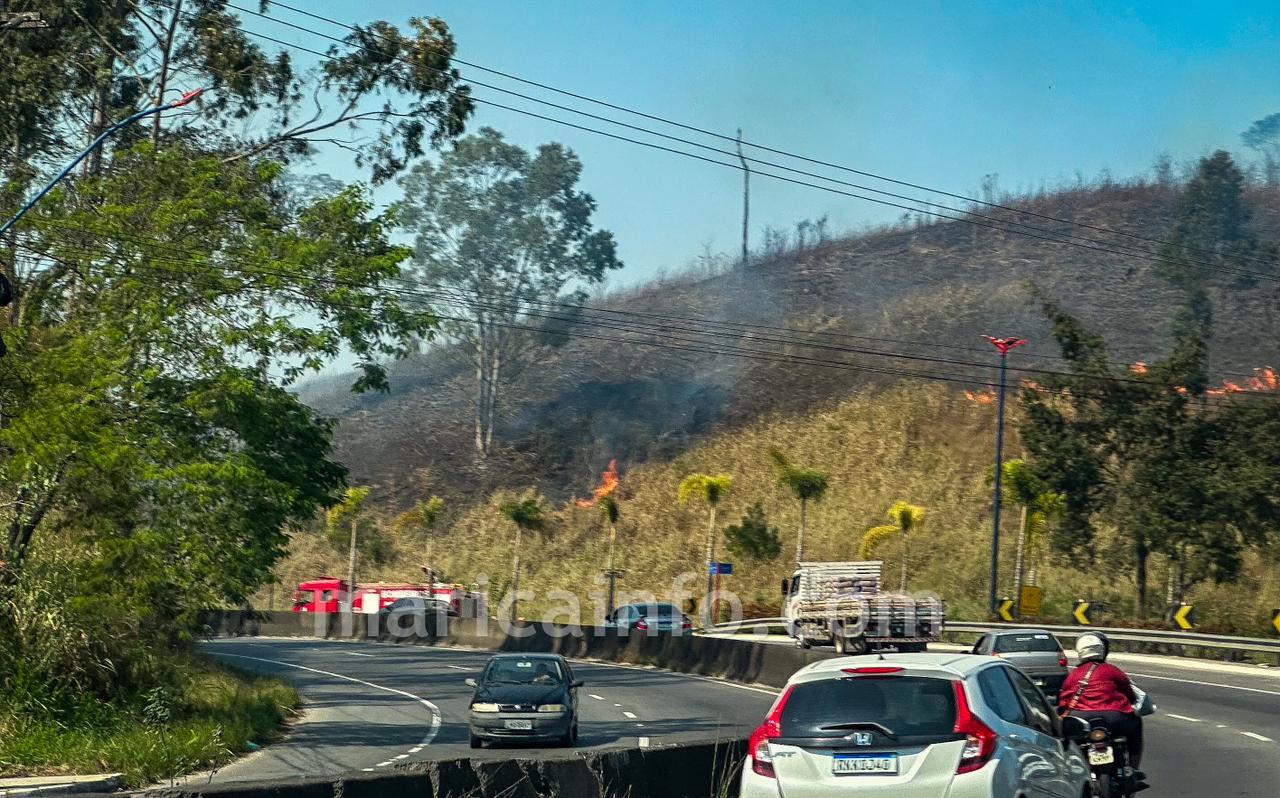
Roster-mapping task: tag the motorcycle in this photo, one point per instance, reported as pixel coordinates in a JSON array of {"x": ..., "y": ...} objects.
[{"x": 1108, "y": 754}]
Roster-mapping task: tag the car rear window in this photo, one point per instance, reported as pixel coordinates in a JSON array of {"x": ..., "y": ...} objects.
[
  {"x": 658, "y": 610},
  {"x": 905, "y": 705},
  {"x": 1012, "y": 644}
]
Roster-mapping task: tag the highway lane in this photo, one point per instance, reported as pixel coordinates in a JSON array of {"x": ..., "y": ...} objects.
[{"x": 371, "y": 706}]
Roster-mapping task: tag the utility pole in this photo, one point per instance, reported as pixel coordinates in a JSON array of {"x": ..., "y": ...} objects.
[
  {"x": 1004, "y": 345},
  {"x": 351, "y": 562},
  {"x": 746, "y": 200}
]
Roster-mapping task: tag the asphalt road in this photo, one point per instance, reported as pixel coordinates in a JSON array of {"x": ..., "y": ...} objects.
[{"x": 369, "y": 706}]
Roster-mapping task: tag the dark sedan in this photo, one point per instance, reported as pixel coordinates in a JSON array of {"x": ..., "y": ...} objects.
[
  {"x": 525, "y": 697},
  {"x": 656, "y": 617}
]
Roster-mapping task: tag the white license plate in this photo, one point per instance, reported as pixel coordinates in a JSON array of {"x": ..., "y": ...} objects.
[
  {"x": 1039, "y": 682},
  {"x": 858, "y": 764},
  {"x": 518, "y": 725},
  {"x": 1103, "y": 757}
]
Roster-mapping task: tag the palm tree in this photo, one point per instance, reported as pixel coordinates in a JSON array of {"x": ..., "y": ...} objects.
[
  {"x": 872, "y": 538},
  {"x": 1037, "y": 506},
  {"x": 609, "y": 510},
  {"x": 805, "y": 483},
  {"x": 526, "y": 513},
  {"x": 907, "y": 518},
  {"x": 709, "y": 489},
  {"x": 423, "y": 517},
  {"x": 353, "y": 501}
]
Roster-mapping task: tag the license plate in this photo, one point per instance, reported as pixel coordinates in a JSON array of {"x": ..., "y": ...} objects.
[
  {"x": 1039, "y": 682},
  {"x": 1102, "y": 757},
  {"x": 518, "y": 725},
  {"x": 859, "y": 764}
]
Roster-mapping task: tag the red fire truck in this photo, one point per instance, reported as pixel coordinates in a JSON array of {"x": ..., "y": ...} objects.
[{"x": 326, "y": 594}]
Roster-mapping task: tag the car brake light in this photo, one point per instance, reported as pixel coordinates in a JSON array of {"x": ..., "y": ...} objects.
[
  {"x": 1062, "y": 661},
  {"x": 686, "y": 625},
  {"x": 875, "y": 670},
  {"x": 641, "y": 624},
  {"x": 980, "y": 740},
  {"x": 758, "y": 745}
]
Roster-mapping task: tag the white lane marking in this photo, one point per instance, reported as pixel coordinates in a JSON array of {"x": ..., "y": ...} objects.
[
  {"x": 356, "y": 654},
  {"x": 1207, "y": 684},
  {"x": 630, "y": 715},
  {"x": 678, "y": 675},
  {"x": 596, "y": 697},
  {"x": 1183, "y": 717},
  {"x": 367, "y": 770},
  {"x": 415, "y": 749},
  {"x": 644, "y": 742},
  {"x": 384, "y": 764},
  {"x": 402, "y": 756},
  {"x": 1222, "y": 725},
  {"x": 455, "y": 667},
  {"x": 436, "y": 715},
  {"x": 619, "y": 706},
  {"x": 1258, "y": 737}
]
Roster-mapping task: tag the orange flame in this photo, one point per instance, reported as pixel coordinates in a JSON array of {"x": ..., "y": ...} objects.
[
  {"x": 609, "y": 483},
  {"x": 1264, "y": 380},
  {"x": 983, "y": 397}
]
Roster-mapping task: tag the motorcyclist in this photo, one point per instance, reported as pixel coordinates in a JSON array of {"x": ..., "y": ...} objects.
[{"x": 1098, "y": 689}]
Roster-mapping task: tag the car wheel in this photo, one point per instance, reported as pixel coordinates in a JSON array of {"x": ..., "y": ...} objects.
[{"x": 476, "y": 742}]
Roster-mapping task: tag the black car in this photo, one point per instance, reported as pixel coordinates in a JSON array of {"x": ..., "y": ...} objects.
[
  {"x": 414, "y": 613},
  {"x": 525, "y": 697},
  {"x": 655, "y": 617}
]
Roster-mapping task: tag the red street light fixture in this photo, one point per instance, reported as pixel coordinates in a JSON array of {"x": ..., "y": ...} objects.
[{"x": 1004, "y": 345}]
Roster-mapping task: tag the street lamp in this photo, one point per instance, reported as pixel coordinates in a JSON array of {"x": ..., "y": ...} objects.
[
  {"x": 178, "y": 103},
  {"x": 1004, "y": 345}
]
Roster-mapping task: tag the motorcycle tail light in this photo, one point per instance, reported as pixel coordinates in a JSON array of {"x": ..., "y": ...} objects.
[{"x": 1098, "y": 735}]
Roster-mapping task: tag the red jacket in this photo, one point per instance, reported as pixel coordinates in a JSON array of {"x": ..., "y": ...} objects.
[{"x": 1109, "y": 690}]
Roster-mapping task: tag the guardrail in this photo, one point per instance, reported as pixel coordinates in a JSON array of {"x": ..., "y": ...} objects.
[{"x": 1148, "y": 636}]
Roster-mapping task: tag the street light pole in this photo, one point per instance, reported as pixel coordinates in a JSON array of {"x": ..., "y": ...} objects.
[
  {"x": 1004, "y": 345},
  {"x": 185, "y": 99}
]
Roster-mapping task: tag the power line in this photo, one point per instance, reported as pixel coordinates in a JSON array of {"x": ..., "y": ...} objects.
[
  {"x": 515, "y": 307},
  {"x": 999, "y": 225},
  {"x": 721, "y": 136}
]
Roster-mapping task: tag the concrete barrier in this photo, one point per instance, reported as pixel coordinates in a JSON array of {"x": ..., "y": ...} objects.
[{"x": 696, "y": 770}]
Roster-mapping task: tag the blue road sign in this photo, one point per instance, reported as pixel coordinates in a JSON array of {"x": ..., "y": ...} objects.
[{"x": 722, "y": 568}]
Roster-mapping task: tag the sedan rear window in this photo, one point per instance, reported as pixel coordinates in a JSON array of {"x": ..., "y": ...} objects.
[
  {"x": 658, "y": 610},
  {"x": 901, "y": 705},
  {"x": 1012, "y": 644}
]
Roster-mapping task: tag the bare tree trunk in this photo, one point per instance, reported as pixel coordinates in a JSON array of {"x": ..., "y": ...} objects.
[
  {"x": 711, "y": 559},
  {"x": 515, "y": 577},
  {"x": 1141, "y": 552},
  {"x": 162, "y": 80},
  {"x": 746, "y": 201},
  {"x": 482, "y": 373},
  {"x": 613, "y": 574},
  {"x": 1020, "y": 560},
  {"x": 800, "y": 536},
  {"x": 906, "y": 550},
  {"x": 491, "y": 412},
  {"x": 351, "y": 564}
]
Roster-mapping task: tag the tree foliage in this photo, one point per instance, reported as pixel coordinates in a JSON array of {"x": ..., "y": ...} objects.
[
  {"x": 806, "y": 483},
  {"x": 706, "y": 488},
  {"x": 526, "y": 512},
  {"x": 873, "y": 537},
  {"x": 753, "y": 539},
  {"x": 509, "y": 237}
]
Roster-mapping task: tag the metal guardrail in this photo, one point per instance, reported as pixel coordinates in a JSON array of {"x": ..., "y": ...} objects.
[{"x": 1228, "y": 642}]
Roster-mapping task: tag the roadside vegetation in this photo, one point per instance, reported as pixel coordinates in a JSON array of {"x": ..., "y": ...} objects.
[{"x": 199, "y": 717}]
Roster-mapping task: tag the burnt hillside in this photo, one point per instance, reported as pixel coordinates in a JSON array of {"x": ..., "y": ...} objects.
[{"x": 943, "y": 284}]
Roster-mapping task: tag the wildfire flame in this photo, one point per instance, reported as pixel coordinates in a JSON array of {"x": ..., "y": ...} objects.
[
  {"x": 983, "y": 397},
  {"x": 608, "y": 484},
  {"x": 1138, "y": 368},
  {"x": 1264, "y": 380}
]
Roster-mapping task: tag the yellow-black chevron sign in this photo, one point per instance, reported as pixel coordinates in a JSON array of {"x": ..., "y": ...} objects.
[
  {"x": 1275, "y": 620},
  {"x": 1081, "y": 613},
  {"x": 1183, "y": 618},
  {"x": 1005, "y": 609}
]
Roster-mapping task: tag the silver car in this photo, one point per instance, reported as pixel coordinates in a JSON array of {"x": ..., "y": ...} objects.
[
  {"x": 1035, "y": 652},
  {"x": 912, "y": 726}
]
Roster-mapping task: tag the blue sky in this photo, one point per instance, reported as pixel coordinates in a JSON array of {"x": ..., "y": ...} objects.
[{"x": 931, "y": 92}]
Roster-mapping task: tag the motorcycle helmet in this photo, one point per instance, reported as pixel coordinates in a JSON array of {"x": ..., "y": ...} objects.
[{"x": 1093, "y": 647}]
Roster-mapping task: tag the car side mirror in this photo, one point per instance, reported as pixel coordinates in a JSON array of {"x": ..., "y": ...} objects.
[
  {"x": 786, "y": 586},
  {"x": 471, "y": 682},
  {"x": 576, "y": 683}
]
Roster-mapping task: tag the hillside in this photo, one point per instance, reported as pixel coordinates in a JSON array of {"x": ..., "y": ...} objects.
[{"x": 943, "y": 284}]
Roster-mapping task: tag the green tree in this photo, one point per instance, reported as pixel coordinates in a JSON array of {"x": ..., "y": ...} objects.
[
  {"x": 511, "y": 236},
  {"x": 807, "y": 484},
  {"x": 1263, "y": 137},
  {"x": 1037, "y": 506},
  {"x": 908, "y": 518},
  {"x": 527, "y": 515},
  {"x": 422, "y": 519},
  {"x": 753, "y": 539},
  {"x": 708, "y": 489},
  {"x": 349, "y": 510}
]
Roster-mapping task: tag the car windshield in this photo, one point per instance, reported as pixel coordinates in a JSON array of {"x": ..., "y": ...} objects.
[
  {"x": 1013, "y": 644},
  {"x": 896, "y": 705},
  {"x": 519, "y": 670}
]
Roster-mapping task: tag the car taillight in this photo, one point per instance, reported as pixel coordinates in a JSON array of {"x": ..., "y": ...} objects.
[
  {"x": 642, "y": 624},
  {"x": 873, "y": 670},
  {"x": 686, "y": 625},
  {"x": 1062, "y": 661},
  {"x": 980, "y": 740},
  {"x": 758, "y": 744}
]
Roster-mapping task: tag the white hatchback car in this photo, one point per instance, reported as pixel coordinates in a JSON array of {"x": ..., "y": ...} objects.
[{"x": 912, "y": 726}]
